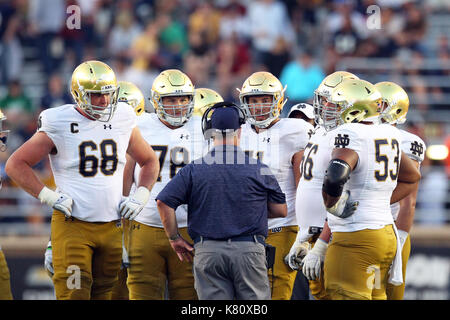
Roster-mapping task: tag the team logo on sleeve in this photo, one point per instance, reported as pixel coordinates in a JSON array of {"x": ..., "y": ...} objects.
[
  {"x": 341, "y": 141},
  {"x": 40, "y": 122},
  {"x": 416, "y": 148}
]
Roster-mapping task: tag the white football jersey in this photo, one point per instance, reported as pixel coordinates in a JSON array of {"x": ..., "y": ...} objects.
[
  {"x": 275, "y": 147},
  {"x": 414, "y": 148},
  {"x": 374, "y": 177},
  {"x": 90, "y": 158},
  {"x": 175, "y": 148},
  {"x": 309, "y": 207}
]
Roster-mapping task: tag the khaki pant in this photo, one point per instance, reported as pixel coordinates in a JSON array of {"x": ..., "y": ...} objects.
[
  {"x": 5, "y": 286},
  {"x": 397, "y": 292},
  {"x": 283, "y": 278},
  {"x": 120, "y": 289},
  {"x": 357, "y": 264},
  {"x": 227, "y": 270},
  {"x": 86, "y": 257},
  {"x": 153, "y": 262}
]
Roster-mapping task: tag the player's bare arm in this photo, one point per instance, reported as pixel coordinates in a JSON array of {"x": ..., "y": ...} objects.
[
  {"x": 296, "y": 160},
  {"x": 141, "y": 152},
  {"x": 19, "y": 165},
  {"x": 128, "y": 175},
  {"x": 408, "y": 179}
]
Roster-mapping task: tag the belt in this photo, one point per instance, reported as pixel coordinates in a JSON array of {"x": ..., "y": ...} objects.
[{"x": 258, "y": 238}]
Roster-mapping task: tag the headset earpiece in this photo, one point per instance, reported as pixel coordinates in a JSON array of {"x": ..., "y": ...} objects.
[{"x": 206, "y": 118}]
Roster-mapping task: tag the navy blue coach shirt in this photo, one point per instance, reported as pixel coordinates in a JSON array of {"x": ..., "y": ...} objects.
[{"x": 226, "y": 192}]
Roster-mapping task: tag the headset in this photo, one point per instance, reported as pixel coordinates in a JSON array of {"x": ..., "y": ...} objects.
[{"x": 206, "y": 118}]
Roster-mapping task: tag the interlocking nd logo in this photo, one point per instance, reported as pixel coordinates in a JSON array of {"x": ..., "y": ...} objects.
[{"x": 341, "y": 141}]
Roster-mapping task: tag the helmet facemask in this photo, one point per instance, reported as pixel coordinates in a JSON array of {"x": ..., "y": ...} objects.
[
  {"x": 99, "y": 113},
  {"x": 392, "y": 114},
  {"x": 174, "y": 114},
  {"x": 329, "y": 115},
  {"x": 268, "y": 111}
]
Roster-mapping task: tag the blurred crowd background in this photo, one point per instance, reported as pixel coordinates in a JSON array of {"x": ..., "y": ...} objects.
[{"x": 219, "y": 44}]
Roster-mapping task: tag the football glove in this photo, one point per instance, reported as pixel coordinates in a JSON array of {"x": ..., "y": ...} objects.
[
  {"x": 298, "y": 251},
  {"x": 48, "y": 259},
  {"x": 312, "y": 263},
  {"x": 130, "y": 207},
  {"x": 344, "y": 208},
  {"x": 57, "y": 200}
]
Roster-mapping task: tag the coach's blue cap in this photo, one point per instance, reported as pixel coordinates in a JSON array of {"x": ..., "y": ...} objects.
[{"x": 226, "y": 118}]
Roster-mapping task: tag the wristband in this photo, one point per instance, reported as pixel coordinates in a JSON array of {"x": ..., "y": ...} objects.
[
  {"x": 142, "y": 195},
  {"x": 175, "y": 237}
]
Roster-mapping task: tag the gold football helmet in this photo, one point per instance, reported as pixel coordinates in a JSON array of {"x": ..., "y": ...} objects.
[
  {"x": 354, "y": 100},
  {"x": 204, "y": 98},
  {"x": 3, "y": 133},
  {"x": 395, "y": 102},
  {"x": 173, "y": 82},
  {"x": 132, "y": 95},
  {"x": 262, "y": 83},
  {"x": 94, "y": 77},
  {"x": 323, "y": 91}
]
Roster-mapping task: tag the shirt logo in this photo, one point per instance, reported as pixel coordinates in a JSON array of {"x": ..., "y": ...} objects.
[
  {"x": 266, "y": 140},
  {"x": 341, "y": 141},
  {"x": 310, "y": 133},
  {"x": 184, "y": 136},
  {"x": 107, "y": 126},
  {"x": 416, "y": 148}
]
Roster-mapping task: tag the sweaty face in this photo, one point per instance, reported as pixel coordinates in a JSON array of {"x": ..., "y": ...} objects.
[
  {"x": 176, "y": 106},
  {"x": 260, "y": 106}
]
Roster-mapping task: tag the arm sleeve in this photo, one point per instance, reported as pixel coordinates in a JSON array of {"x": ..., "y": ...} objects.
[
  {"x": 47, "y": 125},
  {"x": 414, "y": 148},
  {"x": 177, "y": 191}
]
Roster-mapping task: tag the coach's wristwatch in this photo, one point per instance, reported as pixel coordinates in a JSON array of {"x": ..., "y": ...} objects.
[{"x": 175, "y": 237}]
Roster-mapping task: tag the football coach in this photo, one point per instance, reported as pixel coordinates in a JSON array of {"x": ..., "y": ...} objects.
[{"x": 230, "y": 196}]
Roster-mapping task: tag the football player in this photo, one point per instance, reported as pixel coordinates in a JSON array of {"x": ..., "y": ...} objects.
[
  {"x": 366, "y": 173},
  {"x": 132, "y": 95},
  {"x": 5, "y": 286},
  {"x": 178, "y": 139},
  {"x": 310, "y": 210},
  {"x": 395, "y": 105},
  {"x": 279, "y": 143},
  {"x": 87, "y": 143}
]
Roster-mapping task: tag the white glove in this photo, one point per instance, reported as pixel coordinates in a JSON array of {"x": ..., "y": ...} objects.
[
  {"x": 403, "y": 235},
  {"x": 312, "y": 263},
  {"x": 48, "y": 258},
  {"x": 57, "y": 200},
  {"x": 130, "y": 207},
  {"x": 298, "y": 251},
  {"x": 344, "y": 208}
]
